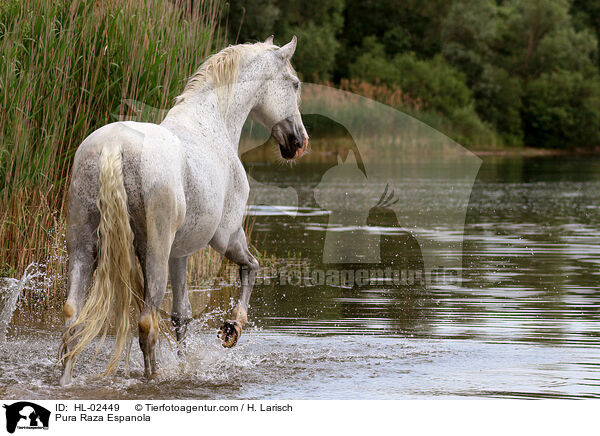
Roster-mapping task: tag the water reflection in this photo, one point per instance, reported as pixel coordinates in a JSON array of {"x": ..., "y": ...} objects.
[
  {"x": 521, "y": 321},
  {"x": 530, "y": 262}
]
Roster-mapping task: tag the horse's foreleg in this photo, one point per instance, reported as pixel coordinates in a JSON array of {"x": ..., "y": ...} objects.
[
  {"x": 237, "y": 251},
  {"x": 81, "y": 269},
  {"x": 181, "y": 312}
]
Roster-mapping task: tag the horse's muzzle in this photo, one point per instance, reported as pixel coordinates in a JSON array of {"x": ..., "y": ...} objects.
[{"x": 292, "y": 142}]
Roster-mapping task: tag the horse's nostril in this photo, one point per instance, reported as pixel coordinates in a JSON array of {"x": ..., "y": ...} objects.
[{"x": 293, "y": 141}]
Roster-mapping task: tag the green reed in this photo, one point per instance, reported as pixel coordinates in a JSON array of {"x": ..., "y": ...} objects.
[{"x": 66, "y": 68}]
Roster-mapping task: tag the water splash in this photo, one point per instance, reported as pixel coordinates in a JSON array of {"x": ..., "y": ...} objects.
[{"x": 10, "y": 289}]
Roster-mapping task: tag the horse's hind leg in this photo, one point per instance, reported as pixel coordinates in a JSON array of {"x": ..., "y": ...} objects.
[
  {"x": 81, "y": 242},
  {"x": 237, "y": 251},
  {"x": 155, "y": 284},
  {"x": 155, "y": 266},
  {"x": 181, "y": 313}
]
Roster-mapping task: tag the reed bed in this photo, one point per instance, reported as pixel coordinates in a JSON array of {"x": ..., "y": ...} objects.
[{"x": 66, "y": 68}]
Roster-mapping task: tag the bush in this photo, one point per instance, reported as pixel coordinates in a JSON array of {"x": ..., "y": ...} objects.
[
  {"x": 562, "y": 109},
  {"x": 441, "y": 87},
  {"x": 498, "y": 102},
  {"x": 317, "y": 46},
  {"x": 438, "y": 91}
]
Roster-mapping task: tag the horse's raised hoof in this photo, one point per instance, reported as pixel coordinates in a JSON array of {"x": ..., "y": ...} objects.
[{"x": 230, "y": 333}]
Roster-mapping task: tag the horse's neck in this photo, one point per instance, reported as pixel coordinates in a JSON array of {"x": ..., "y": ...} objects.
[{"x": 203, "y": 112}]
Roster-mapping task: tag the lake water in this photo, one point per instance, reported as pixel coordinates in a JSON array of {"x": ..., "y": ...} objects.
[{"x": 520, "y": 320}]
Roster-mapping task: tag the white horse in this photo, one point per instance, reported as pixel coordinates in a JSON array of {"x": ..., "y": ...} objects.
[{"x": 158, "y": 193}]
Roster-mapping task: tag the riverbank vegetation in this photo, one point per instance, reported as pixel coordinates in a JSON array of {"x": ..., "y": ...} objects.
[
  {"x": 66, "y": 68},
  {"x": 489, "y": 73}
]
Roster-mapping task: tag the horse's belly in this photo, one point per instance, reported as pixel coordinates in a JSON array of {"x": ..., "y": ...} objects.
[
  {"x": 195, "y": 234},
  {"x": 216, "y": 194}
]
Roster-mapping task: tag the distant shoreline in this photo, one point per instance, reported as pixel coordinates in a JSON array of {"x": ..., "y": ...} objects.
[{"x": 534, "y": 152}]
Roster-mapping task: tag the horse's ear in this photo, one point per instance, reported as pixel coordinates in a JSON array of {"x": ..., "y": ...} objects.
[
  {"x": 269, "y": 40},
  {"x": 339, "y": 159},
  {"x": 288, "y": 50}
]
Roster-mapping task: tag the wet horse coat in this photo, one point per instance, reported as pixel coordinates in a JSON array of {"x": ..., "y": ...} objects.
[{"x": 158, "y": 193}]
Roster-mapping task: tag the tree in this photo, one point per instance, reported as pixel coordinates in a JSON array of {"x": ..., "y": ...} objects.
[
  {"x": 586, "y": 13},
  {"x": 498, "y": 98},
  {"x": 566, "y": 49},
  {"x": 317, "y": 25},
  {"x": 250, "y": 20},
  {"x": 469, "y": 35},
  {"x": 440, "y": 86},
  {"x": 468, "y": 32},
  {"x": 561, "y": 109},
  {"x": 409, "y": 25},
  {"x": 525, "y": 25}
]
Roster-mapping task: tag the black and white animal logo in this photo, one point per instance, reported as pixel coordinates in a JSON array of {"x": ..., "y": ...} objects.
[{"x": 26, "y": 415}]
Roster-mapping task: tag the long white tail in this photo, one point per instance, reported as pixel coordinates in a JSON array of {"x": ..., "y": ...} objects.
[{"x": 117, "y": 286}]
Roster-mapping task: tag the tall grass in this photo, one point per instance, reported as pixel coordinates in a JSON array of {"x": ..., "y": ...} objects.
[{"x": 66, "y": 67}]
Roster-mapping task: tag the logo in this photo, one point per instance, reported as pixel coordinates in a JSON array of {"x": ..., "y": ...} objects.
[
  {"x": 395, "y": 190},
  {"x": 26, "y": 415}
]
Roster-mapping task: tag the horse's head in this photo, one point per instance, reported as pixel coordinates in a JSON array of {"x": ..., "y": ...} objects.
[{"x": 277, "y": 104}]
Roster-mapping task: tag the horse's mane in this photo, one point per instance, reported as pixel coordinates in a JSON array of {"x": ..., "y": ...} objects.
[{"x": 221, "y": 70}]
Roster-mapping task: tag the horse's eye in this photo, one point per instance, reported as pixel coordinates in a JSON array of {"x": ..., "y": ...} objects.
[{"x": 296, "y": 85}]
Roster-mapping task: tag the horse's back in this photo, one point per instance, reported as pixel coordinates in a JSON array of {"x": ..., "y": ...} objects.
[{"x": 152, "y": 164}]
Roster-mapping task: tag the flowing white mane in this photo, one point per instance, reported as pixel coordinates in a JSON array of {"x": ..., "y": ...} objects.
[{"x": 221, "y": 71}]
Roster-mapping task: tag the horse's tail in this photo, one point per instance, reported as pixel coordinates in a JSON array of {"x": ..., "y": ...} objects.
[{"x": 118, "y": 284}]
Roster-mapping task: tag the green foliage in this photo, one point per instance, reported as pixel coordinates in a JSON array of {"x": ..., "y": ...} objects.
[
  {"x": 501, "y": 49},
  {"x": 524, "y": 26},
  {"x": 566, "y": 49},
  {"x": 250, "y": 20},
  {"x": 562, "y": 109},
  {"x": 498, "y": 101},
  {"x": 66, "y": 68},
  {"x": 446, "y": 101},
  {"x": 317, "y": 26},
  {"x": 441, "y": 87},
  {"x": 468, "y": 33},
  {"x": 466, "y": 61},
  {"x": 315, "y": 56},
  {"x": 586, "y": 15},
  {"x": 464, "y": 126},
  {"x": 373, "y": 64},
  {"x": 412, "y": 25}
]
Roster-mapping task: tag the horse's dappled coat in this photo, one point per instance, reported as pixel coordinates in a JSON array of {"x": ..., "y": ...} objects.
[{"x": 158, "y": 193}]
